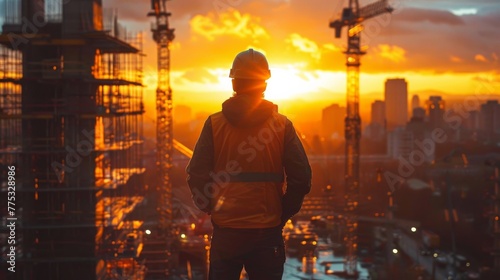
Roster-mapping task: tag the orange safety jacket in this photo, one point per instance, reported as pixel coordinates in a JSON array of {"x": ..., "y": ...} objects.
[{"x": 248, "y": 176}]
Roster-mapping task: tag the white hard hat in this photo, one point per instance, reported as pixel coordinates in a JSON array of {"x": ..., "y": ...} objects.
[{"x": 250, "y": 64}]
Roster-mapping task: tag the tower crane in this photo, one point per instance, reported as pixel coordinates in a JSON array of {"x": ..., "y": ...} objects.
[
  {"x": 352, "y": 17},
  {"x": 163, "y": 35}
]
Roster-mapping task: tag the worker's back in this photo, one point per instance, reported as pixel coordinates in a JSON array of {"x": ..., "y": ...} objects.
[{"x": 248, "y": 137}]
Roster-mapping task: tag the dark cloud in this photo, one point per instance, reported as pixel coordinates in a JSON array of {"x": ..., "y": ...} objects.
[
  {"x": 416, "y": 15},
  {"x": 130, "y": 10},
  {"x": 433, "y": 45},
  {"x": 137, "y": 10}
]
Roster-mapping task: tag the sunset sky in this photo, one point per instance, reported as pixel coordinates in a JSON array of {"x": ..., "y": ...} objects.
[{"x": 448, "y": 46}]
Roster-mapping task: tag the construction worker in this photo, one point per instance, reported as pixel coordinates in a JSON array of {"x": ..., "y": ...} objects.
[{"x": 237, "y": 176}]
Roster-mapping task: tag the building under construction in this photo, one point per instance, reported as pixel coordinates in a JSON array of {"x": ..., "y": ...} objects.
[{"x": 71, "y": 123}]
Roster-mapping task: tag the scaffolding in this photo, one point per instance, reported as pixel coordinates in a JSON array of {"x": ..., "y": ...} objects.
[{"x": 71, "y": 109}]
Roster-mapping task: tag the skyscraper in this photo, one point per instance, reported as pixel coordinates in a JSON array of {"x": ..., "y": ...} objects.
[
  {"x": 418, "y": 114},
  {"x": 376, "y": 129},
  {"x": 378, "y": 113},
  {"x": 332, "y": 121},
  {"x": 399, "y": 143},
  {"x": 396, "y": 103},
  {"x": 490, "y": 118},
  {"x": 415, "y": 102},
  {"x": 435, "y": 111}
]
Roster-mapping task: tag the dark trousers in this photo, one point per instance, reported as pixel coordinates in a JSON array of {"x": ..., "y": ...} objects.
[{"x": 260, "y": 251}]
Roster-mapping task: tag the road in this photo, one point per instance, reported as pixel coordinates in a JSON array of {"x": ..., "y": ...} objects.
[
  {"x": 411, "y": 248},
  {"x": 294, "y": 268}
]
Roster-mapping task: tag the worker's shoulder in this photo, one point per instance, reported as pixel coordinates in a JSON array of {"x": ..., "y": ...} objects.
[
  {"x": 282, "y": 117},
  {"x": 277, "y": 114},
  {"x": 215, "y": 115}
]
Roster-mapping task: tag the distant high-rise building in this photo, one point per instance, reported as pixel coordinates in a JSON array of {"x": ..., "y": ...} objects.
[
  {"x": 490, "y": 118},
  {"x": 396, "y": 103},
  {"x": 378, "y": 113},
  {"x": 435, "y": 111},
  {"x": 472, "y": 122},
  {"x": 376, "y": 129},
  {"x": 399, "y": 143},
  {"x": 332, "y": 121},
  {"x": 415, "y": 102},
  {"x": 418, "y": 114}
]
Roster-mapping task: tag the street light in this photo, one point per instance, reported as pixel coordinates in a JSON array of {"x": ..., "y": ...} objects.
[
  {"x": 413, "y": 229},
  {"x": 433, "y": 274}
]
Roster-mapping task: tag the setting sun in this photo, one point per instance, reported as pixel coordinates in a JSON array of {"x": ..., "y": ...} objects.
[{"x": 288, "y": 82}]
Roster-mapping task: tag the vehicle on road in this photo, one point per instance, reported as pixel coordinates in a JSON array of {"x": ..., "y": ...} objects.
[
  {"x": 430, "y": 241},
  {"x": 299, "y": 244},
  {"x": 461, "y": 263}
]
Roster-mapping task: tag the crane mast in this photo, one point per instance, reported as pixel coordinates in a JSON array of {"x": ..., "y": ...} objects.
[
  {"x": 163, "y": 35},
  {"x": 352, "y": 17}
]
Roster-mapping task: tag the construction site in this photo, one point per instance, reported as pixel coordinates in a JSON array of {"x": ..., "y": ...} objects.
[
  {"x": 90, "y": 201},
  {"x": 71, "y": 106}
]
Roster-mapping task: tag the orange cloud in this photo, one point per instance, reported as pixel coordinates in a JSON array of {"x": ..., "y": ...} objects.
[
  {"x": 332, "y": 47},
  {"x": 229, "y": 23},
  {"x": 304, "y": 44},
  {"x": 393, "y": 53},
  {"x": 455, "y": 59},
  {"x": 480, "y": 57},
  {"x": 310, "y": 47}
]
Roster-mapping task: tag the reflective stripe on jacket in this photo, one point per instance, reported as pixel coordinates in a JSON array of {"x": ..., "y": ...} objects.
[{"x": 248, "y": 173}]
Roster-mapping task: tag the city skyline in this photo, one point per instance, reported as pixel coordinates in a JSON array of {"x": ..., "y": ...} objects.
[{"x": 307, "y": 62}]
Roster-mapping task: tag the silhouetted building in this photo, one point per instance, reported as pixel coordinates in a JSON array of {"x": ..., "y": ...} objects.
[
  {"x": 376, "y": 129},
  {"x": 378, "y": 112},
  {"x": 396, "y": 103},
  {"x": 490, "y": 118},
  {"x": 411, "y": 143},
  {"x": 72, "y": 104},
  {"x": 415, "y": 102},
  {"x": 472, "y": 121},
  {"x": 399, "y": 143},
  {"x": 420, "y": 133},
  {"x": 332, "y": 121},
  {"x": 435, "y": 110},
  {"x": 418, "y": 113}
]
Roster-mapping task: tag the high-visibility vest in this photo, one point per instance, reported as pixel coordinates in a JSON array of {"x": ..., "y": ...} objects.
[{"x": 248, "y": 175}]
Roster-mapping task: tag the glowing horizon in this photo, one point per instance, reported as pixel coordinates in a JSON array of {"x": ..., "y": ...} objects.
[{"x": 434, "y": 46}]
